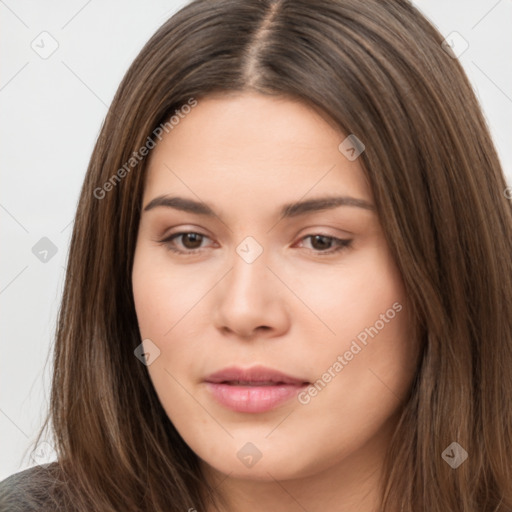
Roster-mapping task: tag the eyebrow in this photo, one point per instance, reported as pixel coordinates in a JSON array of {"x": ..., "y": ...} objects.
[{"x": 287, "y": 211}]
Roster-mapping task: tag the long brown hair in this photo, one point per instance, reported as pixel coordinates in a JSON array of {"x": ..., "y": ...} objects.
[{"x": 378, "y": 70}]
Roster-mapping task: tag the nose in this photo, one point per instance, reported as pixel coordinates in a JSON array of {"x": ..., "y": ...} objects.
[{"x": 251, "y": 301}]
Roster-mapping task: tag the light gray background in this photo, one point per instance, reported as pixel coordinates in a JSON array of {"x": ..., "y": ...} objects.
[{"x": 52, "y": 110}]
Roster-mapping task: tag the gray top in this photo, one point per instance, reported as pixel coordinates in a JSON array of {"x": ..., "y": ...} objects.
[{"x": 29, "y": 491}]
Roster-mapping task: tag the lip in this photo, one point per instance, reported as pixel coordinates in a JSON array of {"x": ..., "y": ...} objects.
[{"x": 253, "y": 390}]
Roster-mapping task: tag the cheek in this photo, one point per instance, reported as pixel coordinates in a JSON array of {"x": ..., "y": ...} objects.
[
  {"x": 162, "y": 302},
  {"x": 170, "y": 309},
  {"x": 364, "y": 291},
  {"x": 370, "y": 361},
  {"x": 378, "y": 353},
  {"x": 162, "y": 295}
]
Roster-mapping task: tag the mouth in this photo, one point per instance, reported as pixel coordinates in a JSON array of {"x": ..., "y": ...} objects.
[
  {"x": 251, "y": 383},
  {"x": 253, "y": 390}
]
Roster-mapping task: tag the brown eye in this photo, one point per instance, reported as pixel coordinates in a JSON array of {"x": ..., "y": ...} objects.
[
  {"x": 191, "y": 240},
  {"x": 325, "y": 245},
  {"x": 186, "y": 242},
  {"x": 320, "y": 242}
]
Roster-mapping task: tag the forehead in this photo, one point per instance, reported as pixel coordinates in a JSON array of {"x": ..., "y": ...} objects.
[{"x": 249, "y": 145}]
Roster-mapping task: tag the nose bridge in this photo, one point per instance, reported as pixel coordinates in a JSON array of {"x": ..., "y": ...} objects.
[
  {"x": 249, "y": 277},
  {"x": 249, "y": 296}
]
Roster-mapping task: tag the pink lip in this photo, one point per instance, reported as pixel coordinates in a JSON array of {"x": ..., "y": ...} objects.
[{"x": 256, "y": 389}]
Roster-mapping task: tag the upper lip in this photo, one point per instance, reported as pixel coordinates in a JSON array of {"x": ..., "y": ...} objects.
[{"x": 255, "y": 374}]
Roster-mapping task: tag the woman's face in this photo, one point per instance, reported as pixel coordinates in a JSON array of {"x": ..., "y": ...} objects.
[{"x": 274, "y": 317}]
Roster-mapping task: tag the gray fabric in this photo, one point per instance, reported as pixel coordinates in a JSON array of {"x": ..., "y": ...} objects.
[{"x": 29, "y": 490}]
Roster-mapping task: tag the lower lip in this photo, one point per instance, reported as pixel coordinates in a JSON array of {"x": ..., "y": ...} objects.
[{"x": 253, "y": 398}]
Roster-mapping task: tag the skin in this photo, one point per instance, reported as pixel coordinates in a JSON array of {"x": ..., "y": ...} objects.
[{"x": 293, "y": 309}]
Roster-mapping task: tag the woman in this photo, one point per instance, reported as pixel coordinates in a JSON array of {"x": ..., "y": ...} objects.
[{"x": 289, "y": 282}]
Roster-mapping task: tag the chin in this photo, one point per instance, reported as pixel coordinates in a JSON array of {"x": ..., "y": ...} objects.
[{"x": 275, "y": 462}]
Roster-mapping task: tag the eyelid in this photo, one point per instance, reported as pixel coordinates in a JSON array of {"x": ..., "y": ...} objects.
[
  {"x": 341, "y": 244},
  {"x": 168, "y": 240}
]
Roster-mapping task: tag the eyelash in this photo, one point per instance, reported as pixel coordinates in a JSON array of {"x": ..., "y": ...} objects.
[{"x": 342, "y": 244}]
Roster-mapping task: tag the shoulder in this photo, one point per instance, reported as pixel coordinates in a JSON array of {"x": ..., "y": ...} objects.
[{"x": 30, "y": 490}]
